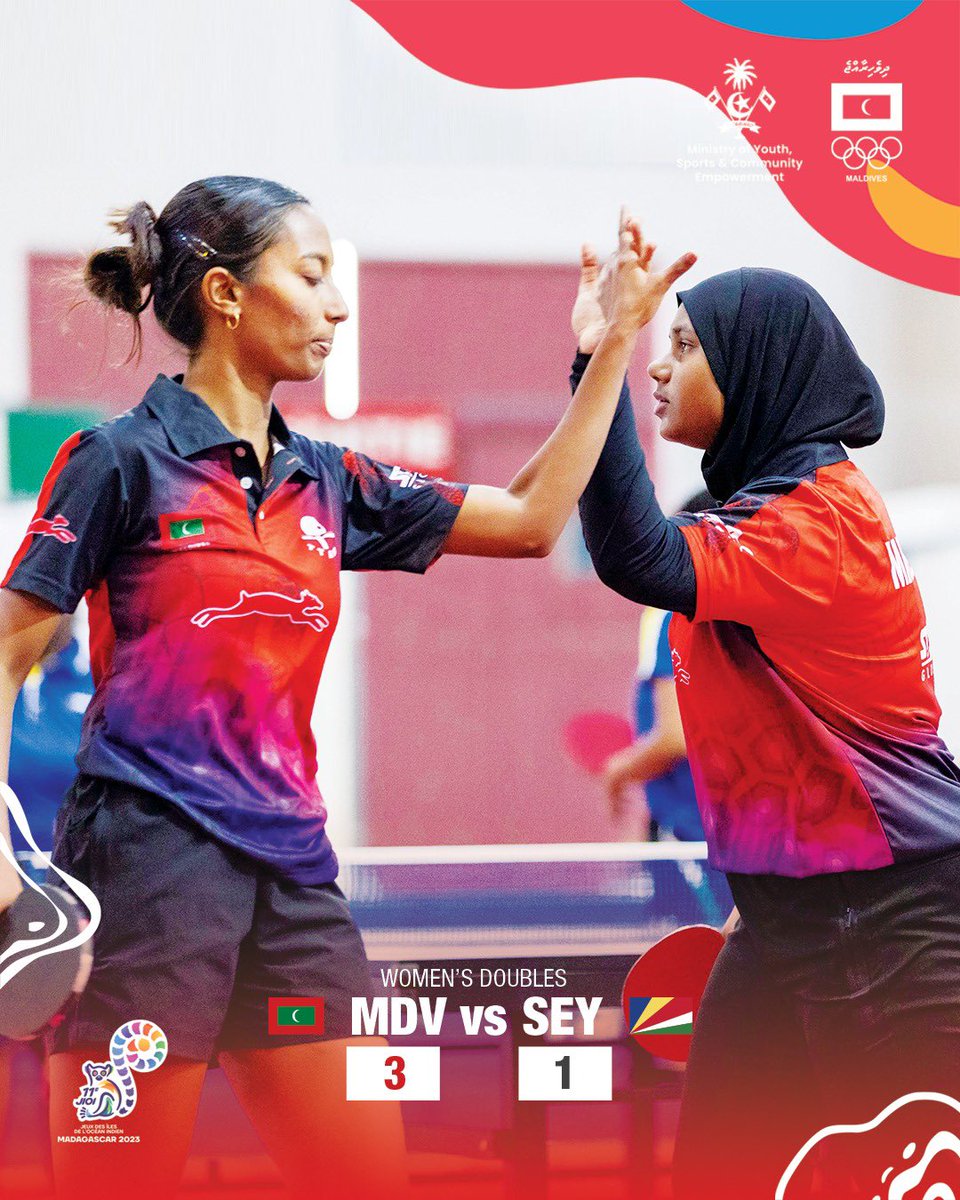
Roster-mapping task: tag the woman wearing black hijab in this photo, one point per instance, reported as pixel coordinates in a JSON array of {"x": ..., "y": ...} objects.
[{"x": 805, "y": 684}]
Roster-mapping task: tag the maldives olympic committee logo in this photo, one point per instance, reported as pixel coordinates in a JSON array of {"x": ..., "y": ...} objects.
[{"x": 873, "y": 114}]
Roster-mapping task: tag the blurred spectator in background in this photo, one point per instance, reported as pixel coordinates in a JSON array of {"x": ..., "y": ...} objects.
[
  {"x": 46, "y": 732},
  {"x": 657, "y": 760}
]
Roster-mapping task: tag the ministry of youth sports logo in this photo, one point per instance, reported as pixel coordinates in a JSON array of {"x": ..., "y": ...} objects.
[{"x": 739, "y": 105}]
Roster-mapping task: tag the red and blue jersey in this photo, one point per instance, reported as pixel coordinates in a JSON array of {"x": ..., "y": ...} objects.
[
  {"x": 213, "y": 598},
  {"x": 805, "y": 682}
]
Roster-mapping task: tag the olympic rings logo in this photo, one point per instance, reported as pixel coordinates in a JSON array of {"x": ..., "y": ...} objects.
[{"x": 856, "y": 154}]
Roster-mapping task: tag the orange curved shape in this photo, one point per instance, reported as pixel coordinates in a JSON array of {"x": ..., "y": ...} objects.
[{"x": 914, "y": 215}]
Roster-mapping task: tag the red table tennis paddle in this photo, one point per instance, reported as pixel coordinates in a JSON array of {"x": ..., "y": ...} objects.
[
  {"x": 662, "y": 991},
  {"x": 591, "y": 737}
]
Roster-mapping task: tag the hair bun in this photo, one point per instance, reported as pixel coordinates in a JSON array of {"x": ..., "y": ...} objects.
[
  {"x": 140, "y": 222},
  {"x": 118, "y": 276}
]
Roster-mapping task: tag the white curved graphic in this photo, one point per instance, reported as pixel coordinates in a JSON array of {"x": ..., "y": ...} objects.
[
  {"x": 80, "y": 890},
  {"x": 901, "y": 1184}
]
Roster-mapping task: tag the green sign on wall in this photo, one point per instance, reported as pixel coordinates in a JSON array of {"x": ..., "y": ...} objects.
[{"x": 34, "y": 437}]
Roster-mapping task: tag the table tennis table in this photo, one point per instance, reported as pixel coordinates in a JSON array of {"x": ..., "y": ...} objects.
[{"x": 588, "y": 909}]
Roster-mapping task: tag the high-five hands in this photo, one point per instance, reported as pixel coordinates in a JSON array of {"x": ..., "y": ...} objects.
[{"x": 625, "y": 291}]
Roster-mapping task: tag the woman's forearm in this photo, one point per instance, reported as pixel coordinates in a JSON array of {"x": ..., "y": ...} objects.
[
  {"x": 10, "y": 886},
  {"x": 635, "y": 549},
  {"x": 552, "y": 481},
  {"x": 651, "y": 757},
  {"x": 26, "y": 628},
  {"x": 526, "y": 518}
]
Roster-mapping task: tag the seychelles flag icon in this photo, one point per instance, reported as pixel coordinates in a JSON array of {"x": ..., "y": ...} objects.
[
  {"x": 288, "y": 1015},
  {"x": 661, "y": 1014}
]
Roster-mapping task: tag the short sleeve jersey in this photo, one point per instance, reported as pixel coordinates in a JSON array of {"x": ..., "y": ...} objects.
[
  {"x": 805, "y": 682},
  {"x": 213, "y": 598},
  {"x": 670, "y": 797}
]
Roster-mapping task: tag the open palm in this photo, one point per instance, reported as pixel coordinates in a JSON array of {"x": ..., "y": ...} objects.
[{"x": 625, "y": 288}]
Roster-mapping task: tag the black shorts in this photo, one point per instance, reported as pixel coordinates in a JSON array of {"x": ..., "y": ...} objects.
[
  {"x": 834, "y": 996},
  {"x": 194, "y": 935}
]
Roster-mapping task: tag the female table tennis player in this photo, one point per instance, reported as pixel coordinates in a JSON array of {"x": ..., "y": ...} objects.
[
  {"x": 208, "y": 538},
  {"x": 806, "y": 691}
]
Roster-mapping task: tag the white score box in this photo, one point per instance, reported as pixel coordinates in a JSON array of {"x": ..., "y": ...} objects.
[
  {"x": 565, "y": 1073},
  {"x": 393, "y": 1073}
]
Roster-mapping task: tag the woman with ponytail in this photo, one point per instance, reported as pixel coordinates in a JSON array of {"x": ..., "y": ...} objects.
[{"x": 208, "y": 538}]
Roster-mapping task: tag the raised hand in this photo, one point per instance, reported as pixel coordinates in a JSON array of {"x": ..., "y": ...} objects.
[
  {"x": 631, "y": 291},
  {"x": 587, "y": 318},
  {"x": 626, "y": 290}
]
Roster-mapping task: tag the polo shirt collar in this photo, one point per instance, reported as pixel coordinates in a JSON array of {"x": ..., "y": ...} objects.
[{"x": 191, "y": 424}]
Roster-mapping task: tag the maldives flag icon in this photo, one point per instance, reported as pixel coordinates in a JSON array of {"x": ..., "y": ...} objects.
[
  {"x": 181, "y": 530},
  {"x": 866, "y": 107},
  {"x": 288, "y": 1015}
]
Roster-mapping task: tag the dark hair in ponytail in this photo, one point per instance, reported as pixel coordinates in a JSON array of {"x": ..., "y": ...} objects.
[{"x": 227, "y": 220}]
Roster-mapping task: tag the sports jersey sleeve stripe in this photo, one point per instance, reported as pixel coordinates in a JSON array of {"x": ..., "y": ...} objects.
[
  {"x": 695, "y": 544},
  {"x": 394, "y": 519},
  {"x": 59, "y": 462}
]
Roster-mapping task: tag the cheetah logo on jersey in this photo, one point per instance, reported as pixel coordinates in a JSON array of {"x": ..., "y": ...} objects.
[
  {"x": 317, "y": 536},
  {"x": 305, "y": 609},
  {"x": 56, "y": 528},
  {"x": 680, "y": 673}
]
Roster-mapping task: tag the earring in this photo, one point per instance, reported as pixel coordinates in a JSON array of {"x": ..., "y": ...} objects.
[{"x": 233, "y": 320}]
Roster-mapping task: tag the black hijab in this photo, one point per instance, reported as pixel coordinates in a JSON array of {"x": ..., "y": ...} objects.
[{"x": 789, "y": 374}]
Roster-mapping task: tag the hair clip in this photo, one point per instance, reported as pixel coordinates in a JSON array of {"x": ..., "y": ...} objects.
[{"x": 197, "y": 245}]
